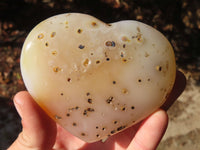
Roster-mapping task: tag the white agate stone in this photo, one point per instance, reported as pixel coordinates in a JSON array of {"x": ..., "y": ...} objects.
[{"x": 96, "y": 79}]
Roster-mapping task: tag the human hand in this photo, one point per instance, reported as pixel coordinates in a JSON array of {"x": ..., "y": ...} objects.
[{"x": 40, "y": 132}]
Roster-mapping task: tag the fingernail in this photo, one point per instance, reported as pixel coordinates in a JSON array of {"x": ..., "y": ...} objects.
[{"x": 18, "y": 101}]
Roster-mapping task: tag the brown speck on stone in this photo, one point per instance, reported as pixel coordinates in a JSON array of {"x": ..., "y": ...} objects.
[
  {"x": 53, "y": 34},
  {"x": 74, "y": 124},
  {"x": 122, "y": 54},
  {"x": 110, "y": 43},
  {"x": 115, "y": 122},
  {"x": 125, "y": 39},
  {"x": 124, "y": 60},
  {"x": 120, "y": 128},
  {"x": 167, "y": 65},
  {"x": 124, "y": 91},
  {"x": 85, "y": 112},
  {"x": 94, "y": 24},
  {"x": 40, "y": 36},
  {"x": 112, "y": 132},
  {"x": 82, "y": 134},
  {"x": 98, "y": 61},
  {"x": 56, "y": 69},
  {"x": 67, "y": 114},
  {"x": 89, "y": 100},
  {"x": 146, "y": 54},
  {"x": 139, "y": 38},
  {"x": 54, "y": 53},
  {"x": 90, "y": 109},
  {"x": 86, "y": 62},
  {"x": 46, "y": 44},
  {"x": 110, "y": 99}
]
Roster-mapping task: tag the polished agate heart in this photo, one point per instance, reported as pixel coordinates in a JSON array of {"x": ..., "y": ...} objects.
[{"x": 97, "y": 79}]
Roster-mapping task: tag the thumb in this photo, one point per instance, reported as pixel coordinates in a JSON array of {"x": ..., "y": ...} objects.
[{"x": 38, "y": 130}]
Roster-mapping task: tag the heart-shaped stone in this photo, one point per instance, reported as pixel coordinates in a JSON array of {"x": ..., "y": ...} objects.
[{"x": 96, "y": 79}]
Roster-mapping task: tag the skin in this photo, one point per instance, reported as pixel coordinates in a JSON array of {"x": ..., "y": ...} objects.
[{"x": 41, "y": 132}]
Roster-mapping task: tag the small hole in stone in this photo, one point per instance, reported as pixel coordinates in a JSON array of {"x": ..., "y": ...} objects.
[
  {"x": 107, "y": 59},
  {"x": 81, "y": 46},
  {"x": 115, "y": 122},
  {"x": 69, "y": 79},
  {"x": 112, "y": 132},
  {"x": 46, "y": 44},
  {"x": 159, "y": 68},
  {"x": 114, "y": 82},
  {"x": 79, "y": 31},
  {"x": 97, "y": 135},
  {"x": 123, "y": 108}
]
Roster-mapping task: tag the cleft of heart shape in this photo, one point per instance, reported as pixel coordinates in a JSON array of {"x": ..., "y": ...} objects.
[{"x": 96, "y": 79}]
